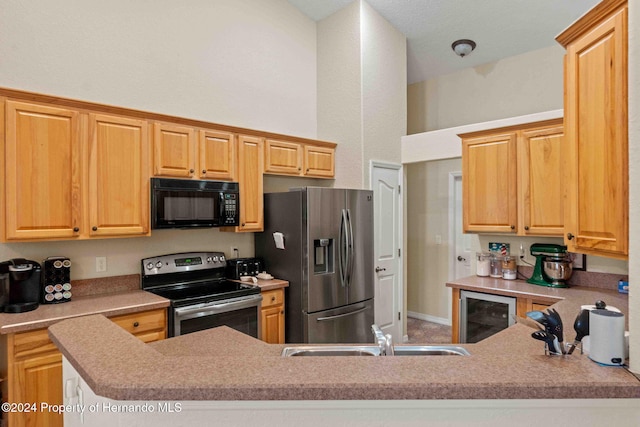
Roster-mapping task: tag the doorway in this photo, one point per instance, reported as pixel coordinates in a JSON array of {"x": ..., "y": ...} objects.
[{"x": 387, "y": 205}]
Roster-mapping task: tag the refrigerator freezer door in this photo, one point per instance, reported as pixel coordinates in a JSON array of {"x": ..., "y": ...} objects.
[
  {"x": 348, "y": 325},
  {"x": 360, "y": 211},
  {"x": 323, "y": 221}
]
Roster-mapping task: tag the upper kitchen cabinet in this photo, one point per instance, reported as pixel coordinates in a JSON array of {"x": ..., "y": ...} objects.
[
  {"x": 299, "y": 159},
  {"x": 184, "y": 152},
  {"x": 174, "y": 152},
  {"x": 489, "y": 183},
  {"x": 512, "y": 180},
  {"x": 250, "y": 170},
  {"x": 118, "y": 181},
  {"x": 43, "y": 172},
  {"x": 217, "y": 155},
  {"x": 595, "y": 106},
  {"x": 540, "y": 187}
]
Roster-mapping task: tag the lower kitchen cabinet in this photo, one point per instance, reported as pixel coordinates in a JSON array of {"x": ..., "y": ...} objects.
[
  {"x": 32, "y": 366},
  {"x": 272, "y": 316}
]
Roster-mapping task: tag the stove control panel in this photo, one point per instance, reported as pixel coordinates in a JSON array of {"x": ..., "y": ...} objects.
[{"x": 183, "y": 262}]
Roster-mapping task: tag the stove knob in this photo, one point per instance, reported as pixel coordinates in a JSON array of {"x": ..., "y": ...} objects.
[
  {"x": 159, "y": 264},
  {"x": 149, "y": 266},
  {"x": 209, "y": 259},
  {"x": 221, "y": 258},
  {"x": 215, "y": 259}
]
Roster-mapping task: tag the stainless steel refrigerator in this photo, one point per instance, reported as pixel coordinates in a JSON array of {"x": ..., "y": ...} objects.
[{"x": 327, "y": 259}]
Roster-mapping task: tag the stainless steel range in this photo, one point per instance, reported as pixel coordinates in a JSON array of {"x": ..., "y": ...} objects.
[{"x": 201, "y": 296}]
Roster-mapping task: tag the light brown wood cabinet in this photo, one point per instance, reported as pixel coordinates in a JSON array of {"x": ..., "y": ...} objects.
[
  {"x": 512, "y": 180},
  {"x": 250, "y": 170},
  {"x": 187, "y": 152},
  {"x": 74, "y": 175},
  {"x": 596, "y": 125},
  {"x": 118, "y": 182},
  {"x": 272, "y": 316},
  {"x": 32, "y": 366},
  {"x": 297, "y": 159},
  {"x": 43, "y": 172}
]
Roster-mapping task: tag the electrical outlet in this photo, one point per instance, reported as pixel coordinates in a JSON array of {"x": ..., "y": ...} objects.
[
  {"x": 101, "y": 264},
  {"x": 234, "y": 252}
]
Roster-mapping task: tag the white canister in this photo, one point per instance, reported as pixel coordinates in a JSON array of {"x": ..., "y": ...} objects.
[
  {"x": 482, "y": 263},
  {"x": 606, "y": 337}
]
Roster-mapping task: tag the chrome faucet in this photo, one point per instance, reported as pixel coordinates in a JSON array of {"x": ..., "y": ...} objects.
[{"x": 385, "y": 342}]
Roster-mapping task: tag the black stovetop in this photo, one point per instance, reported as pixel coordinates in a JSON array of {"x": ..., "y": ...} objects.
[{"x": 194, "y": 293}]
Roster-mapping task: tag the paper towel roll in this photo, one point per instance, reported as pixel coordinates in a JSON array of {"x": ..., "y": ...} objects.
[{"x": 606, "y": 336}]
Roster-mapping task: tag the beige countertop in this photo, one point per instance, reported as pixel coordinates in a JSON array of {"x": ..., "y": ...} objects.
[
  {"x": 222, "y": 364},
  {"x": 109, "y": 304}
]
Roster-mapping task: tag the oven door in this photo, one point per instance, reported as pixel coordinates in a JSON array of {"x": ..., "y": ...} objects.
[{"x": 241, "y": 314}]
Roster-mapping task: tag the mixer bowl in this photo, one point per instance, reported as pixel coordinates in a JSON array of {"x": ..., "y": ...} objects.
[{"x": 558, "y": 269}]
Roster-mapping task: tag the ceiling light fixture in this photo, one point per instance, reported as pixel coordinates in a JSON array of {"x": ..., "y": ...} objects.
[{"x": 463, "y": 47}]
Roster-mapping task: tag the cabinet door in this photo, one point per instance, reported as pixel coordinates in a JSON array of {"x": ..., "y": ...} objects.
[
  {"x": 250, "y": 168},
  {"x": 37, "y": 379},
  {"x": 319, "y": 162},
  {"x": 118, "y": 176},
  {"x": 173, "y": 151},
  {"x": 43, "y": 172},
  {"x": 273, "y": 325},
  {"x": 217, "y": 154},
  {"x": 541, "y": 181},
  {"x": 282, "y": 157},
  {"x": 489, "y": 183},
  {"x": 597, "y": 210}
]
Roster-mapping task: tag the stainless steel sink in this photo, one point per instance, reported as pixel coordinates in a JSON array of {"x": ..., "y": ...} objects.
[
  {"x": 372, "y": 350},
  {"x": 429, "y": 350},
  {"x": 331, "y": 350}
]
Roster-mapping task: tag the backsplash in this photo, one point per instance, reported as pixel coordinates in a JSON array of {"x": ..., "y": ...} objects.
[{"x": 589, "y": 279}]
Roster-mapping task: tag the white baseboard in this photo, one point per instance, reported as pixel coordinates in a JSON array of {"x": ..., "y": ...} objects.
[{"x": 429, "y": 318}]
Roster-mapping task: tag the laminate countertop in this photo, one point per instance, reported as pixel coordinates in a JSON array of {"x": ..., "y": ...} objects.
[
  {"x": 107, "y": 304},
  {"x": 222, "y": 364}
]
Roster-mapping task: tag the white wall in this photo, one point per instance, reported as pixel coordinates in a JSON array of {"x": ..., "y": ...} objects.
[
  {"x": 249, "y": 63},
  {"x": 634, "y": 178},
  {"x": 362, "y": 80},
  {"x": 384, "y": 83}
]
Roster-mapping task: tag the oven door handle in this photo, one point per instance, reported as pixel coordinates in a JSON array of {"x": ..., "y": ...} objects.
[{"x": 216, "y": 308}]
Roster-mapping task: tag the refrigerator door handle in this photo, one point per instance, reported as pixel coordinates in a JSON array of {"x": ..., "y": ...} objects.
[
  {"x": 350, "y": 249},
  {"x": 351, "y": 313},
  {"x": 342, "y": 256}
]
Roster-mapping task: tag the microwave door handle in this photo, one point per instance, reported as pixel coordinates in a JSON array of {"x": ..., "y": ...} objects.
[{"x": 221, "y": 208}]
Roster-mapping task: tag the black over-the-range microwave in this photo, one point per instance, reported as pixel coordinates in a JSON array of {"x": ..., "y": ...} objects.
[{"x": 185, "y": 203}]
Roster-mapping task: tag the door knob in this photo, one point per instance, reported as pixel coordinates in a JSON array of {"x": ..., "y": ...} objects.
[
  {"x": 460, "y": 258},
  {"x": 378, "y": 269}
]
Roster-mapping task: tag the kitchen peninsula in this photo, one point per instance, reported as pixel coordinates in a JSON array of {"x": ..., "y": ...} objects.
[{"x": 223, "y": 365}]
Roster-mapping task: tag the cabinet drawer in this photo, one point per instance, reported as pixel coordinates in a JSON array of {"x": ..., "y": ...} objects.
[
  {"x": 143, "y": 322},
  {"x": 272, "y": 298},
  {"x": 30, "y": 343}
]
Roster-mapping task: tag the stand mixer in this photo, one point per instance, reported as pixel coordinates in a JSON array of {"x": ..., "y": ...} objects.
[{"x": 553, "y": 265}]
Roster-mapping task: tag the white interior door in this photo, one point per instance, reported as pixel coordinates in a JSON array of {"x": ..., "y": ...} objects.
[
  {"x": 385, "y": 183},
  {"x": 460, "y": 253}
]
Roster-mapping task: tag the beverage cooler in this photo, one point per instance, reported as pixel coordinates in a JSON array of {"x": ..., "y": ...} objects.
[{"x": 482, "y": 315}]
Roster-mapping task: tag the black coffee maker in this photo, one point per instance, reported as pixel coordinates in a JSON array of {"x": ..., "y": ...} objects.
[{"x": 19, "y": 285}]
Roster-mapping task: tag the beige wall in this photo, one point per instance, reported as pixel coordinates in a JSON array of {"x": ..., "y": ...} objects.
[
  {"x": 428, "y": 216},
  {"x": 515, "y": 86},
  {"x": 361, "y": 90},
  {"x": 634, "y": 179},
  {"x": 515, "y": 80},
  {"x": 228, "y": 61}
]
